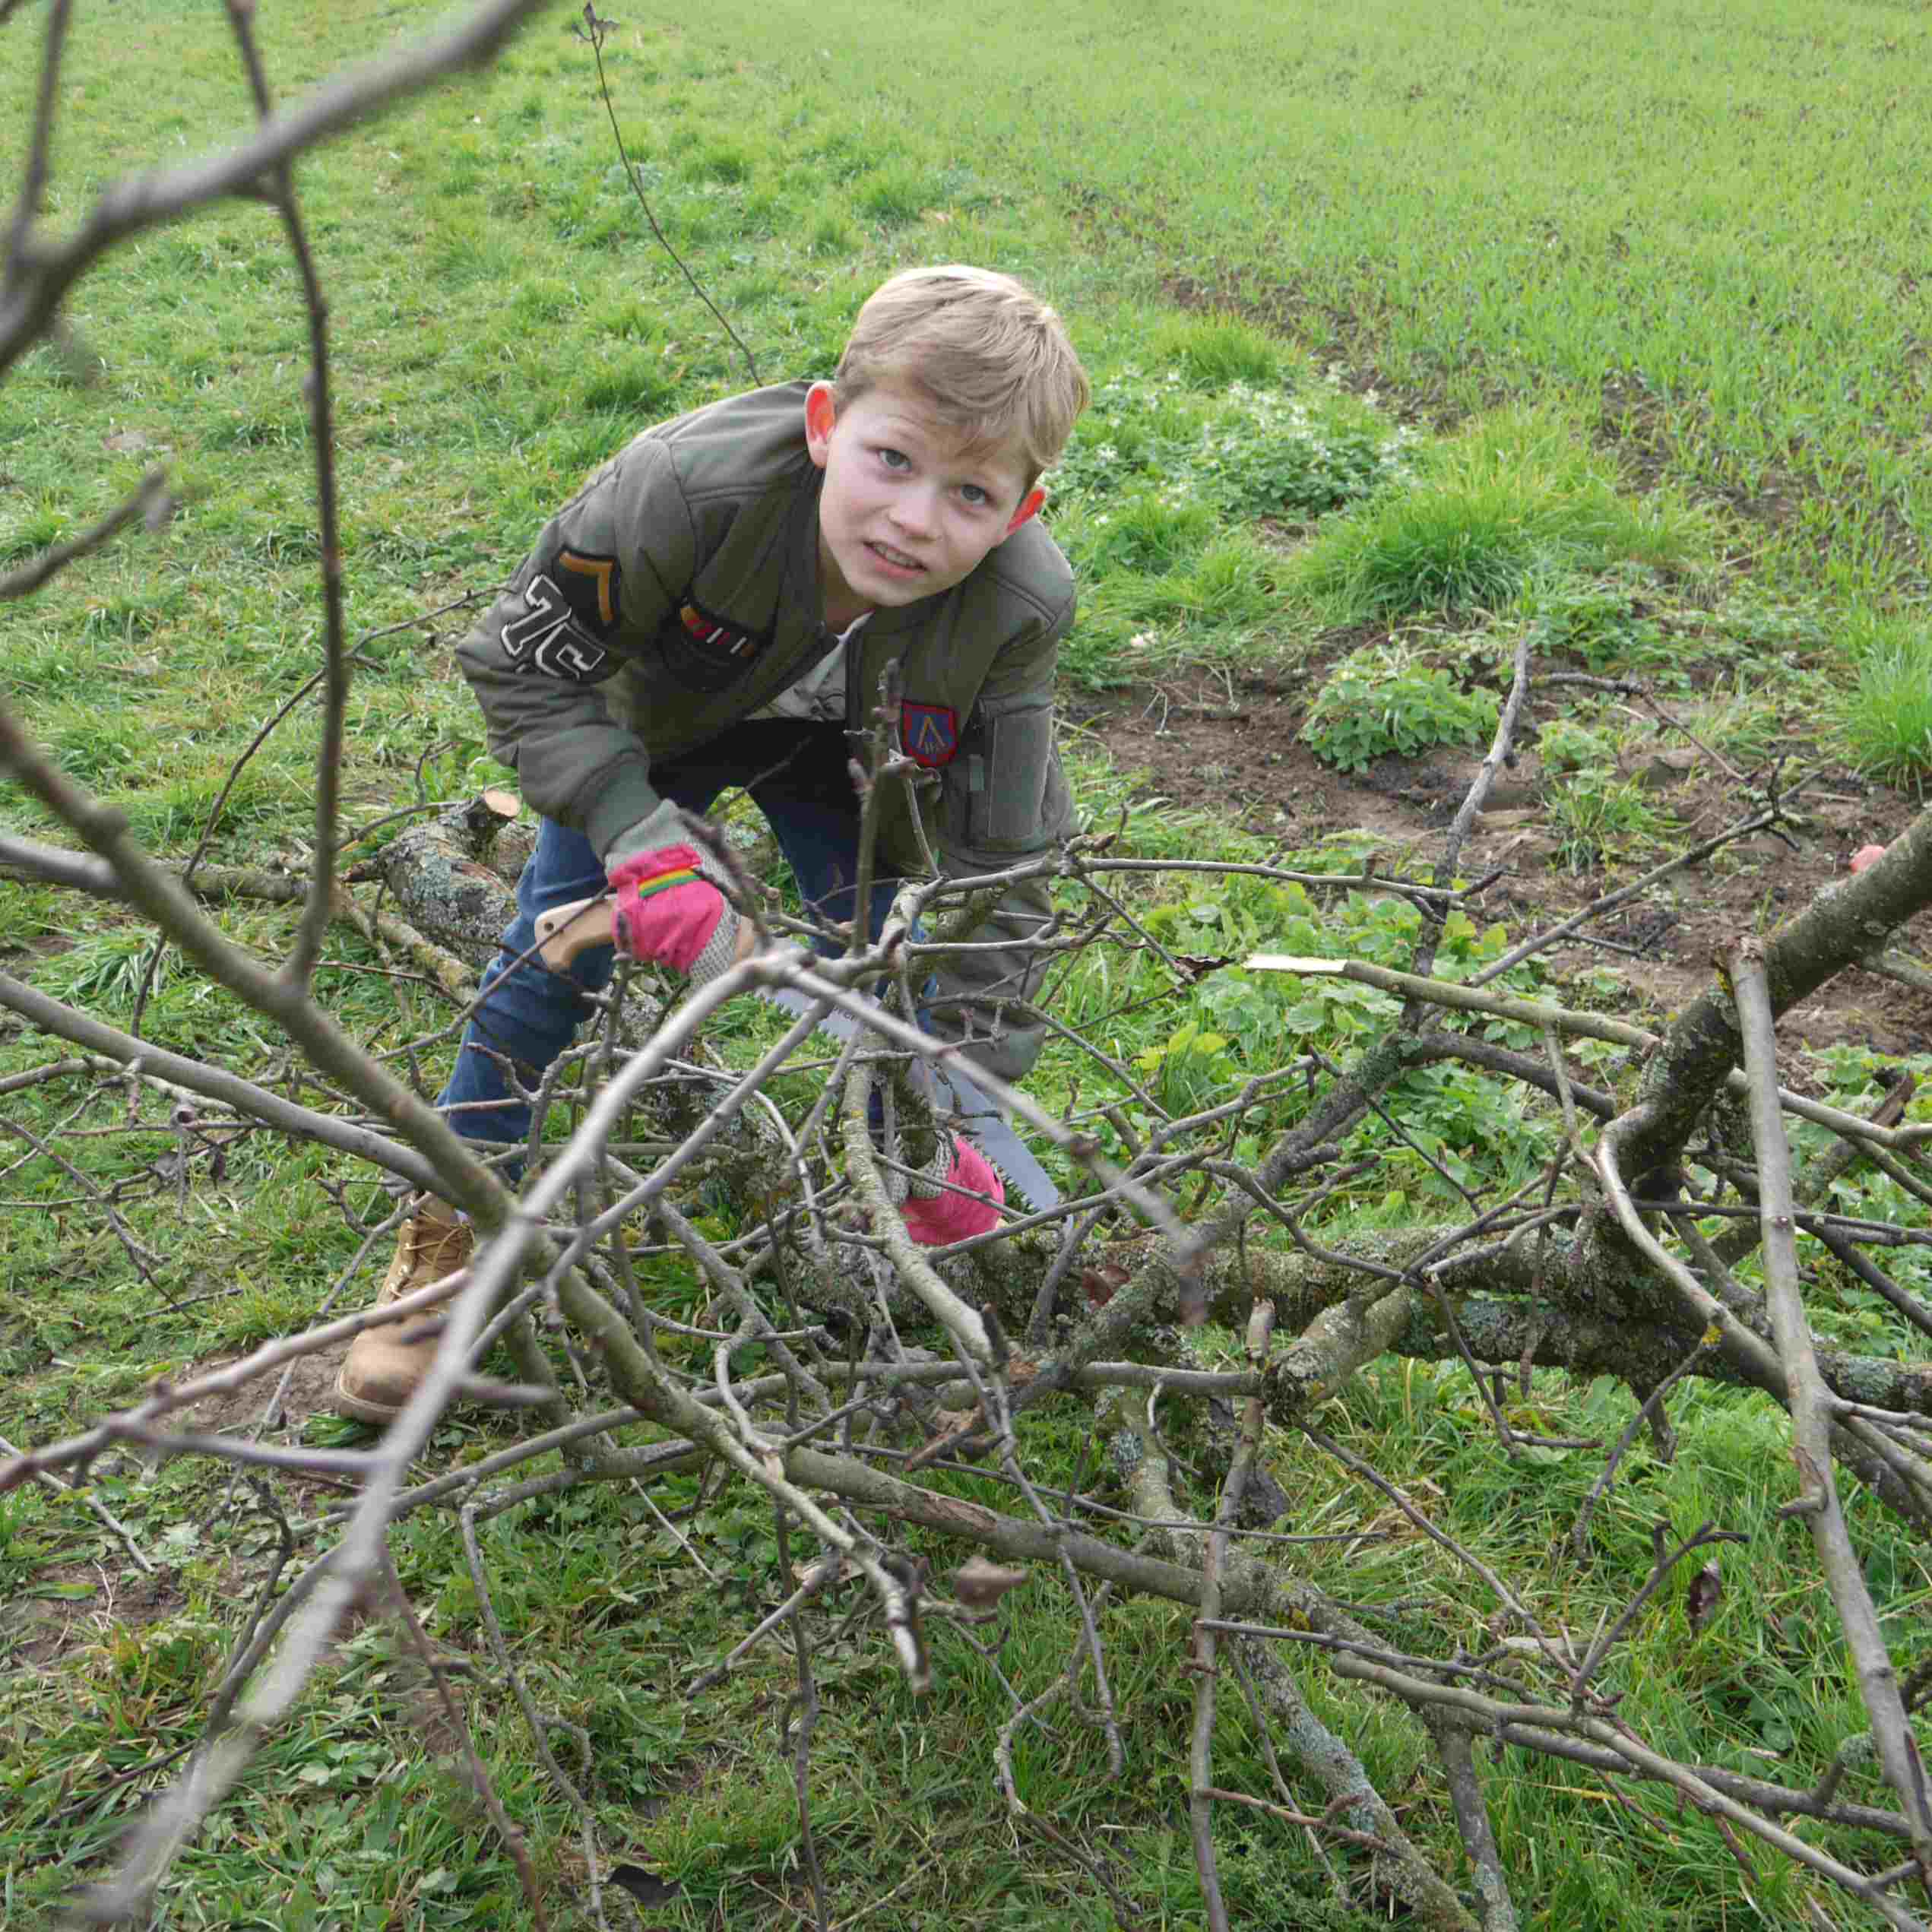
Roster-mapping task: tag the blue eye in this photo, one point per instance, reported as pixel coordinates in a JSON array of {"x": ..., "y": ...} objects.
[
  {"x": 894, "y": 459},
  {"x": 974, "y": 495}
]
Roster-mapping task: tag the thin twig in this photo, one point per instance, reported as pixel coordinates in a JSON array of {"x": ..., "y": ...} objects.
[
  {"x": 150, "y": 502},
  {"x": 595, "y": 35}
]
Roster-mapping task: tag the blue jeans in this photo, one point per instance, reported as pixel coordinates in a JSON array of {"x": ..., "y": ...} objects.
[{"x": 796, "y": 774}]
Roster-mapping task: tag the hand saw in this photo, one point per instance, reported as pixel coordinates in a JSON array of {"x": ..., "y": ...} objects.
[{"x": 566, "y": 931}]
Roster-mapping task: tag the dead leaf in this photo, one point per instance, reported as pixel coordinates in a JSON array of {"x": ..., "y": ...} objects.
[
  {"x": 1102, "y": 1283},
  {"x": 1197, "y": 965},
  {"x": 645, "y": 1887},
  {"x": 1702, "y": 1596},
  {"x": 956, "y": 1427},
  {"x": 980, "y": 1584}
]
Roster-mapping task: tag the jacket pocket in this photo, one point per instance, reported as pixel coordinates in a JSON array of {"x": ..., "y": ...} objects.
[
  {"x": 1009, "y": 761},
  {"x": 704, "y": 653}
]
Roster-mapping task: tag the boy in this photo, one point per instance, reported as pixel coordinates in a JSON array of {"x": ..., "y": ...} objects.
[{"x": 716, "y": 607}]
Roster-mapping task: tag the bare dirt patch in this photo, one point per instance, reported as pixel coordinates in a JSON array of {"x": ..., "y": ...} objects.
[
  {"x": 239, "y": 1412},
  {"x": 1226, "y": 745},
  {"x": 37, "y": 1626}
]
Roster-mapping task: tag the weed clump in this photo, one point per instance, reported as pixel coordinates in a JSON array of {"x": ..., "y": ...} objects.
[
  {"x": 1214, "y": 351},
  {"x": 1380, "y": 700},
  {"x": 1515, "y": 499},
  {"x": 1886, "y": 717},
  {"x": 1596, "y": 815},
  {"x": 1251, "y": 450}
]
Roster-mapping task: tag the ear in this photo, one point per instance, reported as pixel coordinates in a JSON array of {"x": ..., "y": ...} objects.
[
  {"x": 1029, "y": 508},
  {"x": 821, "y": 414}
]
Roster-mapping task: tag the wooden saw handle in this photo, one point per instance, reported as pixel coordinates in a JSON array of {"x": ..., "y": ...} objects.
[{"x": 565, "y": 931}]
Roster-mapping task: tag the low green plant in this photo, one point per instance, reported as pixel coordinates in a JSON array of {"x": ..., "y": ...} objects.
[
  {"x": 832, "y": 234},
  {"x": 1749, "y": 616},
  {"x": 1566, "y": 745},
  {"x": 1479, "y": 1134},
  {"x": 107, "y": 969},
  {"x": 1607, "y": 619},
  {"x": 1226, "y": 584},
  {"x": 1748, "y": 714},
  {"x": 1248, "y": 450},
  {"x": 1190, "y": 1069},
  {"x": 1279, "y": 458},
  {"x": 895, "y": 196},
  {"x": 1148, "y": 531},
  {"x": 1381, "y": 699},
  {"x": 1155, "y": 497},
  {"x": 1429, "y": 549},
  {"x": 1597, "y": 815},
  {"x": 42, "y": 526},
  {"x": 22, "y": 1517}
]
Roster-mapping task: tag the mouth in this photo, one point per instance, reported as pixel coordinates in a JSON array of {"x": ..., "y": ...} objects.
[{"x": 895, "y": 559}]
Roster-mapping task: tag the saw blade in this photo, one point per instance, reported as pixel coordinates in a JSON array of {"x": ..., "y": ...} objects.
[{"x": 954, "y": 1095}]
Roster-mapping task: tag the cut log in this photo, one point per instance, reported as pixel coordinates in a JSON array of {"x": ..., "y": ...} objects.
[{"x": 453, "y": 876}]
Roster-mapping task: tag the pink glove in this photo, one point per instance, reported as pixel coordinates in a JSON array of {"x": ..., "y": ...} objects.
[
  {"x": 936, "y": 1218},
  {"x": 664, "y": 907},
  {"x": 1868, "y": 855}
]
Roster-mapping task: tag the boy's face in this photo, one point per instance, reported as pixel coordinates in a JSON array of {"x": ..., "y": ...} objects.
[{"x": 907, "y": 510}]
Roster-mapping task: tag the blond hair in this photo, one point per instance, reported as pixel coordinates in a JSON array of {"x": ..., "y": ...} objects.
[{"x": 990, "y": 356}]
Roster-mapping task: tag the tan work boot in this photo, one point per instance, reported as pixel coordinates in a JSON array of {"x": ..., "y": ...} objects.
[{"x": 382, "y": 1371}]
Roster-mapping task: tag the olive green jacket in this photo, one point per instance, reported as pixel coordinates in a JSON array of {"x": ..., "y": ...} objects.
[{"x": 678, "y": 592}]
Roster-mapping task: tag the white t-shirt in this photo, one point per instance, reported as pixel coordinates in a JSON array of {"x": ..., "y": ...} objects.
[{"x": 818, "y": 697}]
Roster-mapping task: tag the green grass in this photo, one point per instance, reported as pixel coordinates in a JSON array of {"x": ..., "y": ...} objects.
[
  {"x": 608, "y": 1620},
  {"x": 1703, "y": 228},
  {"x": 474, "y": 392},
  {"x": 1217, "y": 350},
  {"x": 1887, "y": 715},
  {"x": 1517, "y": 497},
  {"x": 1750, "y": 1685},
  {"x": 1287, "y": 244},
  {"x": 1180, "y": 480},
  {"x": 1597, "y": 817}
]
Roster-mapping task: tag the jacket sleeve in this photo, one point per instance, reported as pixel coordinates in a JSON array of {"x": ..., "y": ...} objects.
[
  {"x": 542, "y": 663},
  {"x": 1004, "y": 799}
]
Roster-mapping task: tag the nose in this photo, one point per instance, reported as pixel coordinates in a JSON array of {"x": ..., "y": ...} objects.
[{"x": 915, "y": 511}]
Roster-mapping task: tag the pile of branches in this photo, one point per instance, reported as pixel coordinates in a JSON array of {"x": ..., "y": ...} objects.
[{"x": 881, "y": 1366}]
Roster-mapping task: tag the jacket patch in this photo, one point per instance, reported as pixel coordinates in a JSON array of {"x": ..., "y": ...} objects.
[
  {"x": 929, "y": 733},
  {"x": 723, "y": 640},
  {"x": 707, "y": 652},
  {"x": 594, "y": 585},
  {"x": 549, "y": 639}
]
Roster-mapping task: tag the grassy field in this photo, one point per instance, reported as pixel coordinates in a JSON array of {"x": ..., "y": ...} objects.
[
  {"x": 1701, "y": 226},
  {"x": 1407, "y": 331}
]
